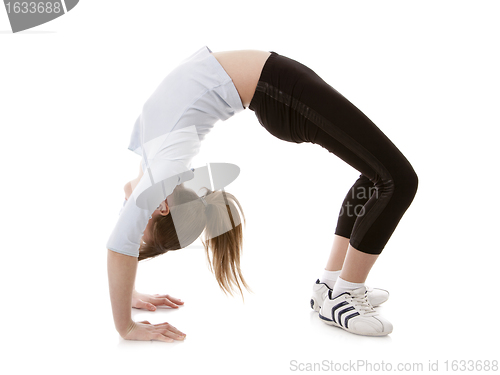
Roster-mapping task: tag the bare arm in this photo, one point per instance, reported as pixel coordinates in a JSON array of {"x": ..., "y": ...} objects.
[
  {"x": 122, "y": 270},
  {"x": 121, "y": 277}
]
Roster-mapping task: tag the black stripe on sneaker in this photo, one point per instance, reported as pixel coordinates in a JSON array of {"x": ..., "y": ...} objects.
[
  {"x": 318, "y": 282},
  {"x": 338, "y": 306},
  {"x": 346, "y": 321},
  {"x": 324, "y": 318},
  {"x": 343, "y": 312}
]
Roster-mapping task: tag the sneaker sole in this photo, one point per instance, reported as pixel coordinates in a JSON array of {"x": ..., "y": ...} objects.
[{"x": 332, "y": 323}]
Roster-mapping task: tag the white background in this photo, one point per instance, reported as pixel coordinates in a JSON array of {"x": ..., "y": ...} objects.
[{"x": 426, "y": 72}]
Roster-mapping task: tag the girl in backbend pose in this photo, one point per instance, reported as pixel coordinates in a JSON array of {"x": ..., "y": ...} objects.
[{"x": 294, "y": 104}]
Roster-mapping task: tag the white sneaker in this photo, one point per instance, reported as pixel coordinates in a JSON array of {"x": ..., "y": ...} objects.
[
  {"x": 376, "y": 296},
  {"x": 352, "y": 312}
]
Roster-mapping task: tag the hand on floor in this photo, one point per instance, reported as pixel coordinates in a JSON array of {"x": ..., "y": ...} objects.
[
  {"x": 149, "y": 302},
  {"x": 146, "y": 331}
]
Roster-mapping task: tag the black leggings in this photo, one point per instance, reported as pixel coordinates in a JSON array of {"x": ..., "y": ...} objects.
[{"x": 294, "y": 104}]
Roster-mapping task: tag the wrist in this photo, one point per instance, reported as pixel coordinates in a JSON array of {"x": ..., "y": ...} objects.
[{"x": 124, "y": 330}]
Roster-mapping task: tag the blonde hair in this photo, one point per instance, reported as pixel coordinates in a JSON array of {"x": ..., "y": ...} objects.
[{"x": 219, "y": 215}]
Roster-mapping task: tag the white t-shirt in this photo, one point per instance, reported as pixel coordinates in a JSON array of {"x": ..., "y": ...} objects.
[{"x": 167, "y": 134}]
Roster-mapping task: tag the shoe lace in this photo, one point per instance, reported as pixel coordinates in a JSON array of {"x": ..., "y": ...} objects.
[{"x": 361, "y": 302}]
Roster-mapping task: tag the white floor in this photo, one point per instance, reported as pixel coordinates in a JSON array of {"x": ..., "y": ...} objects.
[{"x": 274, "y": 331}]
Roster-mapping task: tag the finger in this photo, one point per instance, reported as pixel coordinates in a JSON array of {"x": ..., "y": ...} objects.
[
  {"x": 164, "y": 302},
  {"x": 145, "y": 305},
  {"x": 159, "y": 337},
  {"x": 176, "y": 336},
  {"x": 144, "y": 322},
  {"x": 175, "y": 300},
  {"x": 170, "y": 327},
  {"x": 168, "y": 302}
]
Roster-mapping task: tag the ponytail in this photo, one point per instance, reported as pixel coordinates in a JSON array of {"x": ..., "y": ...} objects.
[
  {"x": 223, "y": 233},
  {"x": 226, "y": 248}
]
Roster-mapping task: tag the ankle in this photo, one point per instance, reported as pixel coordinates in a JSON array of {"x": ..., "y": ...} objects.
[
  {"x": 342, "y": 286},
  {"x": 329, "y": 278}
]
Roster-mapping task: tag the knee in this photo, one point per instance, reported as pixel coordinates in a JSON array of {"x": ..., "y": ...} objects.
[
  {"x": 406, "y": 184},
  {"x": 412, "y": 181},
  {"x": 400, "y": 183}
]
